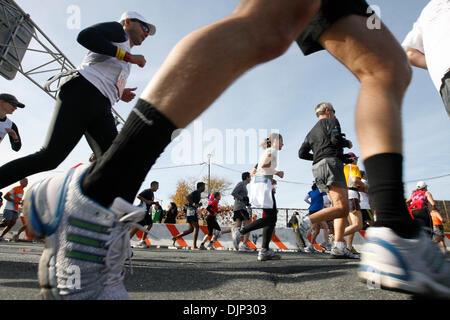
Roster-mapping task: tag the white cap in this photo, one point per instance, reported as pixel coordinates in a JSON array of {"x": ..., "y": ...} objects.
[
  {"x": 135, "y": 15},
  {"x": 421, "y": 185}
]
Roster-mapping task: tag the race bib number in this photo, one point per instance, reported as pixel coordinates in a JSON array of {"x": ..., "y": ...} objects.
[
  {"x": 121, "y": 82},
  {"x": 190, "y": 212}
]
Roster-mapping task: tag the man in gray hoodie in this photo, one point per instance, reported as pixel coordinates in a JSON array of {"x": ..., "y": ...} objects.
[{"x": 241, "y": 202}]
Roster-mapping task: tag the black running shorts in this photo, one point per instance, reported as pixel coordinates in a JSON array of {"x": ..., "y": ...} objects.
[
  {"x": 212, "y": 224},
  {"x": 330, "y": 12},
  {"x": 241, "y": 215}
]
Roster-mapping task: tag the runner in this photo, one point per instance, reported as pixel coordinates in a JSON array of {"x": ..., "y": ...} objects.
[
  {"x": 427, "y": 46},
  {"x": 438, "y": 229},
  {"x": 191, "y": 215},
  {"x": 326, "y": 142},
  {"x": 315, "y": 200},
  {"x": 83, "y": 104},
  {"x": 368, "y": 218},
  {"x": 11, "y": 212},
  {"x": 240, "y": 210},
  {"x": 210, "y": 60},
  {"x": 147, "y": 198},
  {"x": 354, "y": 184},
  {"x": 214, "y": 229},
  {"x": 9, "y": 104},
  {"x": 418, "y": 204},
  {"x": 262, "y": 197}
]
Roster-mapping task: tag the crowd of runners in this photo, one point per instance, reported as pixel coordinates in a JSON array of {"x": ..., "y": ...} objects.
[{"x": 86, "y": 215}]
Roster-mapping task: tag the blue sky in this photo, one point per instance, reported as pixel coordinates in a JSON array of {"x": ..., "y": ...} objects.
[{"x": 278, "y": 95}]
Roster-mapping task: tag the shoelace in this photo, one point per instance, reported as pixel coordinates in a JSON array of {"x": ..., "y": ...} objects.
[{"x": 119, "y": 247}]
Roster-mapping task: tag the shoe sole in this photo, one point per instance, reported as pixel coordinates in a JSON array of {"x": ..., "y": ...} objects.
[
  {"x": 48, "y": 292},
  {"x": 268, "y": 258},
  {"x": 46, "y": 272},
  {"x": 419, "y": 284}
]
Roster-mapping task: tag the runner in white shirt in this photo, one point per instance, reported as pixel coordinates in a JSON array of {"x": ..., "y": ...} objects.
[
  {"x": 366, "y": 210},
  {"x": 428, "y": 45}
]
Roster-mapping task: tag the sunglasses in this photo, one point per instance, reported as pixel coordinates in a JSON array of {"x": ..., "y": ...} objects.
[{"x": 144, "y": 26}]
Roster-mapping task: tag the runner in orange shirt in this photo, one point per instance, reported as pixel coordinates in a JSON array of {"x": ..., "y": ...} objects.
[
  {"x": 438, "y": 228},
  {"x": 11, "y": 212}
]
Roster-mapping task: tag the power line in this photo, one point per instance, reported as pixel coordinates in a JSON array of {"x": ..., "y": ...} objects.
[
  {"x": 431, "y": 178},
  {"x": 180, "y": 166}
]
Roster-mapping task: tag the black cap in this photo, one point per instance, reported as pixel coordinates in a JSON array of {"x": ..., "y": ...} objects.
[{"x": 11, "y": 100}]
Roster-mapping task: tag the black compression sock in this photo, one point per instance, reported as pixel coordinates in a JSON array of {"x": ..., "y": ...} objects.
[
  {"x": 385, "y": 177},
  {"x": 122, "y": 169}
]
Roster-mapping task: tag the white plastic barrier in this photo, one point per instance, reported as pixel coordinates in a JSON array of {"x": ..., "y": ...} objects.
[{"x": 284, "y": 238}]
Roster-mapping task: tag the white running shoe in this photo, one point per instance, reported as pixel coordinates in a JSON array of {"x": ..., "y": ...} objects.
[
  {"x": 142, "y": 244},
  {"x": 411, "y": 265},
  {"x": 237, "y": 236},
  {"x": 268, "y": 254},
  {"x": 246, "y": 248},
  {"x": 86, "y": 245},
  {"x": 310, "y": 249},
  {"x": 342, "y": 253},
  {"x": 326, "y": 246}
]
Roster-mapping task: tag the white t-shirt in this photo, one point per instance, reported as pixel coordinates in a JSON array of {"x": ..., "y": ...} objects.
[
  {"x": 107, "y": 74},
  {"x": 7, "y": 124},
  {"x": 273, "y": 162},
  {"x": 430, "y": 35},
  {"x": 364, "y": 198}
]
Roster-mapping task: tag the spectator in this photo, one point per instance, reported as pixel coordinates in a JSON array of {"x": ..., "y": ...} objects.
[
  {"x": 172, "y": 213},
  {"x": 157, "y": 213},
  {"x": 9, "y": 104}
]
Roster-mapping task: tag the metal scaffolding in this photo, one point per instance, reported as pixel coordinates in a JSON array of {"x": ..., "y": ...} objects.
[{"x": 20, "y": 35}]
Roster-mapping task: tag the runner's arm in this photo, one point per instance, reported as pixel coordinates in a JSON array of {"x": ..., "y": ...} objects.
[
  {"x": 16, "y": 144},
  {"x": 99, "y": 37}
]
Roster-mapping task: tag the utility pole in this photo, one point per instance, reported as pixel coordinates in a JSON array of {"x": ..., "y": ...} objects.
[{"x": 209, "y": 174}]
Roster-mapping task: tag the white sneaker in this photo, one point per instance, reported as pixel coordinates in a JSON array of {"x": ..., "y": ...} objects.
[
  {"x": 237, "y": 236},
  {"x": 246, "y": 248},
  {"x": 268, "y": 254},
  {"x": 142, "y": 244},
  {"x": 310, "y": 249},
  {"x": 326, "y": 246},
  {"x": 86, "y": 245},
  {"x": 412, "y": 265},
  {"x": 342, "y": 253}
]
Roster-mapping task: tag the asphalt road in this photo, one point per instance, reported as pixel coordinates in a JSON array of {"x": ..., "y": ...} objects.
[{"x": 167, "y": 274}]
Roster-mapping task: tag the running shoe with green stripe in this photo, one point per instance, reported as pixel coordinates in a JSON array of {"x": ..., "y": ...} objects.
[{"x": 86, "y": 245}]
